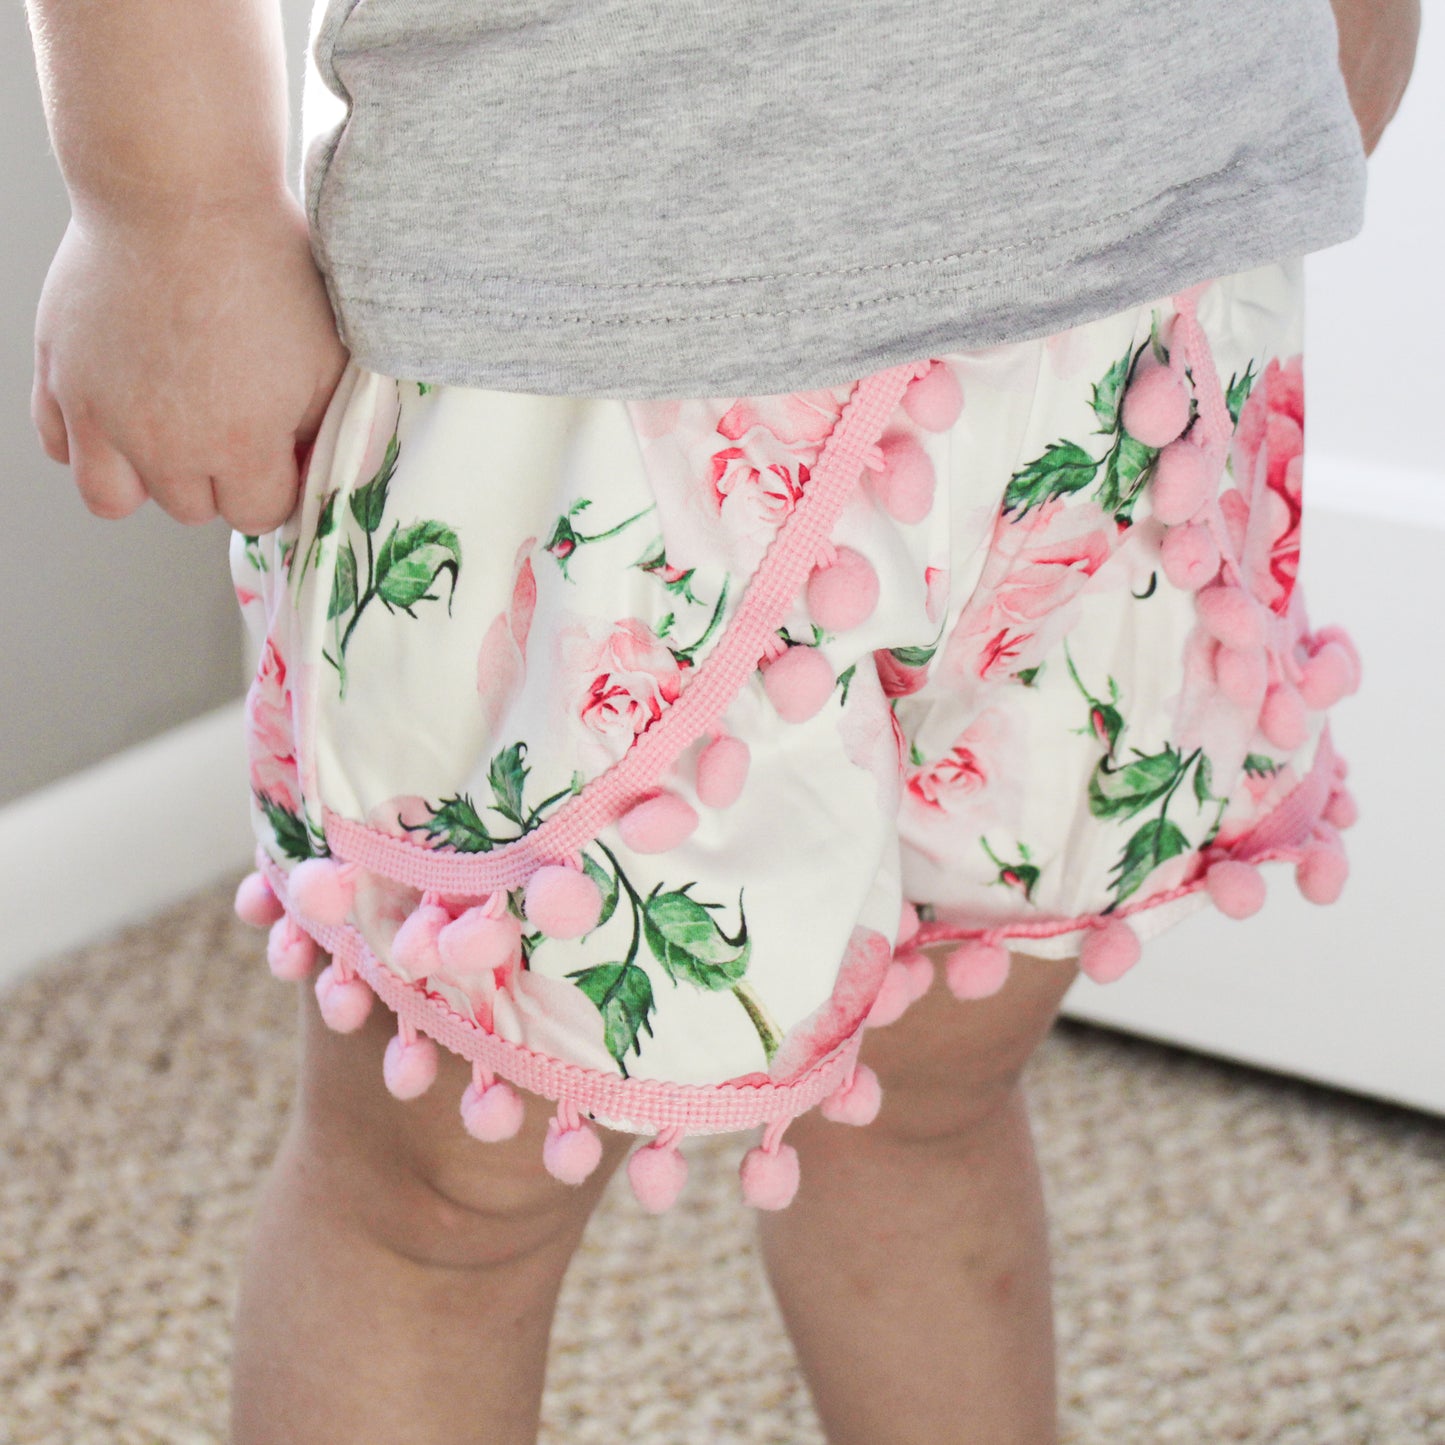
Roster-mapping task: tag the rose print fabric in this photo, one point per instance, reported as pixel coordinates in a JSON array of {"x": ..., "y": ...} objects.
[{"x": 1048, "y": 683}]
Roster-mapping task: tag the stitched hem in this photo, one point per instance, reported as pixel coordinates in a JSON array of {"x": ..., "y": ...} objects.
[{"x": 777, "y": 331}]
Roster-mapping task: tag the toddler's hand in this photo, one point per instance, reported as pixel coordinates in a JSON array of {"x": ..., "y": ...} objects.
[
  {"x": 1377, "y": 54},
  {"x": 187, "y": 355}
]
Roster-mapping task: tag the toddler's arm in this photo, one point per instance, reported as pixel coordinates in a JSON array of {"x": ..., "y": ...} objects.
[
  {"x": 1377, "y": 53},
  {"x": 184, "y": 341}
]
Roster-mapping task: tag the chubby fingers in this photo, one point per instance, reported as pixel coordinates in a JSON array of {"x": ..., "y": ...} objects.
[{"x": 260, "y": 494}]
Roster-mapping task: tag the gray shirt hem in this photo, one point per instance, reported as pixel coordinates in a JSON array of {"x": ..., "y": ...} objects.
[{"x": 767, "y": 334}]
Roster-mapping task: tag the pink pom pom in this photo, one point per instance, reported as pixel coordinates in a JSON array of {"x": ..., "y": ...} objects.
[
  {"x": 562, "y": 902},
  {"x": 976, "y": 969},
  {"x": 798, "y": 683},
  {"x": 1321, "y": 873},
  {"x": 256, "y": 901},
  {"x": 414, "y": 946},
  {"x": 1341, "y": 810},
  {"x": 905, "y": 485},
  {"x": 918, "y": 968},
  {"x": 571, "y": 1154},
  {"x": 894, "y": 995},
  {"x": 657, "y": 1174},
  {"x": 479, "y": 939},
  {"x": 1242, "y": 674},
  {"x": 1282, "y": 719},
  {"x": 1338, "y": 635},
  {"x": 844, "y": 593},
  {"x": 1236, "y": 887},
  {"x": 1327, "y": 677},
  {"x": 345, "y": 1002},
  {"x": 1190, "y": 556},
  {"x": 491, "y": 1114},
  {"x": 722, "y": 770},
  {"x": 770, "y": 1180},
  {"x": 934, "y": 400},
  {"x": 409, "y": 1069},
  {"x": 908, "y": 924},
  {"x": 856, "y": 1100},
  {"x": 323, "y": 889},
  {"x": 1109, "y": 952},
  {"x": 1156, "y": 406},
  {"x": 1231, "y": 616},
  {"x": 1179, "y": 486},
  {"x": 657, "y": 824},
  {"x": 290, "y": 951}
]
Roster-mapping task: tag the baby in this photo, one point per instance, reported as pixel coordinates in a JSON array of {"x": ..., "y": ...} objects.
[{"x": 658, "y": 685}]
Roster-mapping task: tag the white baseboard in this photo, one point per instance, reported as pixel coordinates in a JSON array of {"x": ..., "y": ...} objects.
[{"x": 122, "y": 840}]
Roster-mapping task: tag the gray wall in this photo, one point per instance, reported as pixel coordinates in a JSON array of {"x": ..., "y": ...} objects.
[{"x": 110, "y": 632}]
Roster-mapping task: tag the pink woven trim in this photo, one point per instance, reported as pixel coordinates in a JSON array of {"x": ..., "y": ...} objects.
[
  {"x": 656, "y": 1103},
  {"x": 1277, "y": 837},
  {"x": 794, "y": 550}
]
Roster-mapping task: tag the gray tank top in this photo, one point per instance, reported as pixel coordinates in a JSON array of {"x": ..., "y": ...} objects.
[{"x": 710, "y": 197}]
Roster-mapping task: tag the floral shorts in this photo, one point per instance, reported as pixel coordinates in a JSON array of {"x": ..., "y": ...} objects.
[{"x": 636, "y": 750}]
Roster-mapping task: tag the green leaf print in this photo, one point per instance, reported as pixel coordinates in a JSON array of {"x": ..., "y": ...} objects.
[
  {"x": 1259, "y": 766},
  {"x": 1238, "y": 392},
  {"x": 607, "y": 885},
  {"x": 507, "y": 775},
  {"x": 292, "y": 835},
  {"x": 1028, "y": 675},
  {"x": 252, "y": 551},
  {"x": 411, "y": 559},
  {"x": 623, "y": 995},
  {"x": 686, "y": 940},
  {"x": 326, "y": 521},
  {"x": 1064, "y": 467},
  {"x": 1109, "y": 392},
  {"x": 343, "y": 582},
  {"x": 369, "y": 502},
  {"x": 1123, "y": 792},
  {"x": 913, "y": 656},
  {"x": 457, "y": 824},
  {"x": 1154, "y": 843},
  {"x": 1203, "y": 780},
  {"x": 1124, "y": 474}
]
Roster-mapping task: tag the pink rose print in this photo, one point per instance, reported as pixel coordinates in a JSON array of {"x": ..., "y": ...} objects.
[
  {"x": 270, "y": 740},
  {"x": 627, "y": 679},
  {"x": 801, "y": 419},
  {"x": 726, "y": 480},
  {"x": 898, "y": 678},
  {"x": 754, "y": 499},
  {"x": 974, "y": 787},
  {"x": 1268, "y": 464},
  {"x": 954, "y": 776},
  {"x": 501, "y": 659},
  {"x": 1036, "y": 569}
]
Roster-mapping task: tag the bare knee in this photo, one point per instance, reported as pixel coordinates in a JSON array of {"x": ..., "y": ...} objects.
[
  {"x": 949, "y": 1069},
  {"x": 411, "y": 1177}
]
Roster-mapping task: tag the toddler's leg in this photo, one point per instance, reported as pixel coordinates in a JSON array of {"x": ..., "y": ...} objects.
[
  {"x": 912, "y": 1267},
  {"x": 401, "y": 1276}
]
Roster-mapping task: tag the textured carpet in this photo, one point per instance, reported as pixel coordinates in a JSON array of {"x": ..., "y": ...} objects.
[{"x": 1237, "y": 1257}]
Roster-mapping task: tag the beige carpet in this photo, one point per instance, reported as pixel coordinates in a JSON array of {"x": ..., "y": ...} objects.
[{"x": 1238, "y": 1258}]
